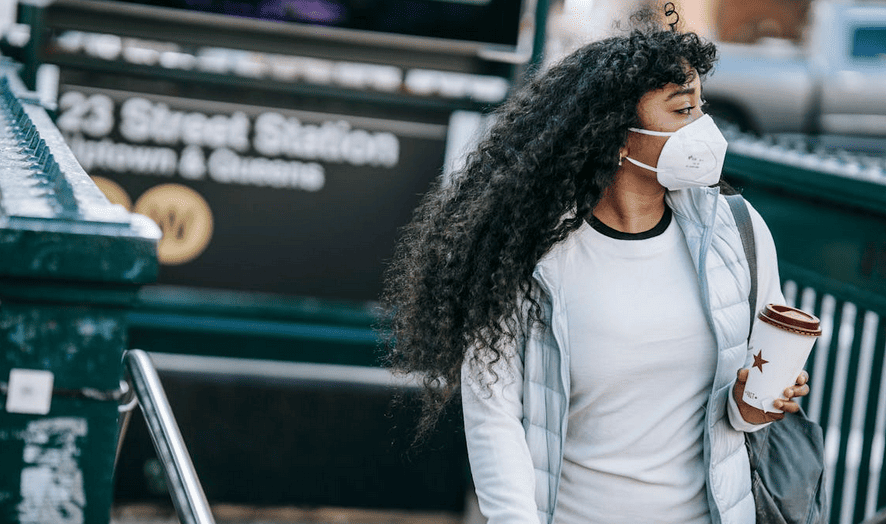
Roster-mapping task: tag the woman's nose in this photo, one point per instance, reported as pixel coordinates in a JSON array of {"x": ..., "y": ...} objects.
[{"x": 698, "y": 112}]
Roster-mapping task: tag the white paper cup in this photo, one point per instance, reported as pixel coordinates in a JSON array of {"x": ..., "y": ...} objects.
[{"x": 780, "y": 344}]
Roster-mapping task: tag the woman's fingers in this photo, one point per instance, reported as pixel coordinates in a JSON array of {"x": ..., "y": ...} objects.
[
  {"x": 796, "y": 391},
  {"x": 788, "y": 406},
  {"x": 803, "y": 378},
  {"x": 799, "y": 390}
]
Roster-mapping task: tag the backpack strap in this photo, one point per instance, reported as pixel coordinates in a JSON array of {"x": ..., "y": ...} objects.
[{"x": 746, "y": 230}]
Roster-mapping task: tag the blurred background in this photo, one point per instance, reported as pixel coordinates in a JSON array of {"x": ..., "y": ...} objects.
[{"x": 279, "y": 145}]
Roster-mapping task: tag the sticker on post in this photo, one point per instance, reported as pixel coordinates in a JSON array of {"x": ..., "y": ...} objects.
[{"x": 30, "y": 391}]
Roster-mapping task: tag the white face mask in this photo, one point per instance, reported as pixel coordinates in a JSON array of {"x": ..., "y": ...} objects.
[{"x": 692, "y": 156}]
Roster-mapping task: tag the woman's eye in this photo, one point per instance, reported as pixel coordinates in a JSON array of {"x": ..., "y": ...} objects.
[{"x": 686, "y": 110}]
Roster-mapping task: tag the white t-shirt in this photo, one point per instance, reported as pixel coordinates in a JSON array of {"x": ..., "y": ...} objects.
[{"x": 642, "y": 361}]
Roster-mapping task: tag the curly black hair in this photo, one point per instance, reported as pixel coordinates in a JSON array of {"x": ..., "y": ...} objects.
[{"x": 465, "y": 262}]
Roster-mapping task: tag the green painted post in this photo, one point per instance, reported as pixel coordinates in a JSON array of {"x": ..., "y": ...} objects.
[
  {"x": 540, "y": 36},
  {"x": 70, "y": 266},
  {"x": 31, "y": 12}
]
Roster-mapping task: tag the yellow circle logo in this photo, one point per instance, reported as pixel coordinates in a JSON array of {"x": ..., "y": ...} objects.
[
  {"x": 113, "y": 192},
  {"x": 183, "y": 216}
]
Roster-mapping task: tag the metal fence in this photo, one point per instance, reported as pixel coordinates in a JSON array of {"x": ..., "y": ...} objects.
[{"x": 847, "y": 397}]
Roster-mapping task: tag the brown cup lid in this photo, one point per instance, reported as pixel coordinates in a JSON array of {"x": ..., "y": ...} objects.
[{"x": 791, "y": 319}]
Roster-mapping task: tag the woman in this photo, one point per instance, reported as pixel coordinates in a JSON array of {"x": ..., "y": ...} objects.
[{"x": 587, "y": 292}]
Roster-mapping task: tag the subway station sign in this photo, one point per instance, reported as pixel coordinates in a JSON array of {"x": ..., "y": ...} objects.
[{"x": 297, "y": 200}]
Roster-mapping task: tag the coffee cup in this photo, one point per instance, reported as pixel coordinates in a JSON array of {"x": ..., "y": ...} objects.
[{"x": 780, "y": 343}]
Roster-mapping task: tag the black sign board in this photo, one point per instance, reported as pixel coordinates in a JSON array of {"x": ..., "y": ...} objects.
[
  {"x": 303, "y": 200},
  {"x": 487, "y": 21}
]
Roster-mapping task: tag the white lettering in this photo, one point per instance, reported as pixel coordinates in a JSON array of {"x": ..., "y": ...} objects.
[
  {"x": 227, "y": 167},
  {"x": 92, "y": 115},
  {"x": 135, "y": 120},
  {"x": 238, "y": 130},
  {"x": 359, "y": 147},
  {"x": 269, "y": 133},
  {"x": 192, "y": 128},
  {"x": 165, "y": 125},
  {"x": 192, "y": 165},
  {"x": 144, "y": 121},
  {"x": 150, "y": 123},
  {"x": 387, "y": 149},
  {"x": 333, "y": 142},
  {"x": 146, "y": 160},
  {"x": 123, "y": 158}
]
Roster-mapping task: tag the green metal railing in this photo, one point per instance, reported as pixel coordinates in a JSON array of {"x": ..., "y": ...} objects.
[
  {"x": 70, "y": 266},
  {"x": 828, "y": 219},
  {"x": 848, "y": 396}
]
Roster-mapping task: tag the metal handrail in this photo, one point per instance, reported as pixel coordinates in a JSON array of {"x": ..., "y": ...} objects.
[{"x": 184, "y": 486}]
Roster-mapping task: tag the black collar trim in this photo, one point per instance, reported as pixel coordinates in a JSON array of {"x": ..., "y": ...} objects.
[{"x": 619, "y": 235}]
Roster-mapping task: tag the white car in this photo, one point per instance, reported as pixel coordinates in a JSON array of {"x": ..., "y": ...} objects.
[{"x": 832, "y": 83}]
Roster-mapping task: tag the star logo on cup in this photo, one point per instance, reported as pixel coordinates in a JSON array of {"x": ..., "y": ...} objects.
[{"x": 758, "y": 361}]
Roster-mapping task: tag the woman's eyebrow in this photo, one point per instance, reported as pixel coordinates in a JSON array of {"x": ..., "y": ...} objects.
[{"x": 683, "y": 91}]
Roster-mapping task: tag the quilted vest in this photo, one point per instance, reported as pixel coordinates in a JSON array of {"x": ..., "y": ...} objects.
[{"x": 716, "y": 249}]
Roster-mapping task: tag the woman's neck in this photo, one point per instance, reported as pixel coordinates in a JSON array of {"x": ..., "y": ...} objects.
[{"x": 631, "y": 205}]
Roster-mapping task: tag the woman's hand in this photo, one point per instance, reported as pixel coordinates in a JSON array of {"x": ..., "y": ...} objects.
[{"x": 757, "y": 416}]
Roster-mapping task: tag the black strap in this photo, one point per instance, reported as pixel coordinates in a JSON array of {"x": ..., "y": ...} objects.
[{"x": 746, "y": 230}]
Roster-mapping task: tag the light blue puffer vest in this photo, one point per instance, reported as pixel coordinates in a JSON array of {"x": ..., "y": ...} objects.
[{"x": 715, "y": 245}]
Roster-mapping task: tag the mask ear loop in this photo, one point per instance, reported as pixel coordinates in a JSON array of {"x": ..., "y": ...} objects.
[
  {"x": 645, "y": 132},
  {"x": 641, "y": 164},
  {"x": 650, "y": 132}
]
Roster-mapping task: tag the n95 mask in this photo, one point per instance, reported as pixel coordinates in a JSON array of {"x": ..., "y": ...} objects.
[{"x": 692, "y": 156}]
